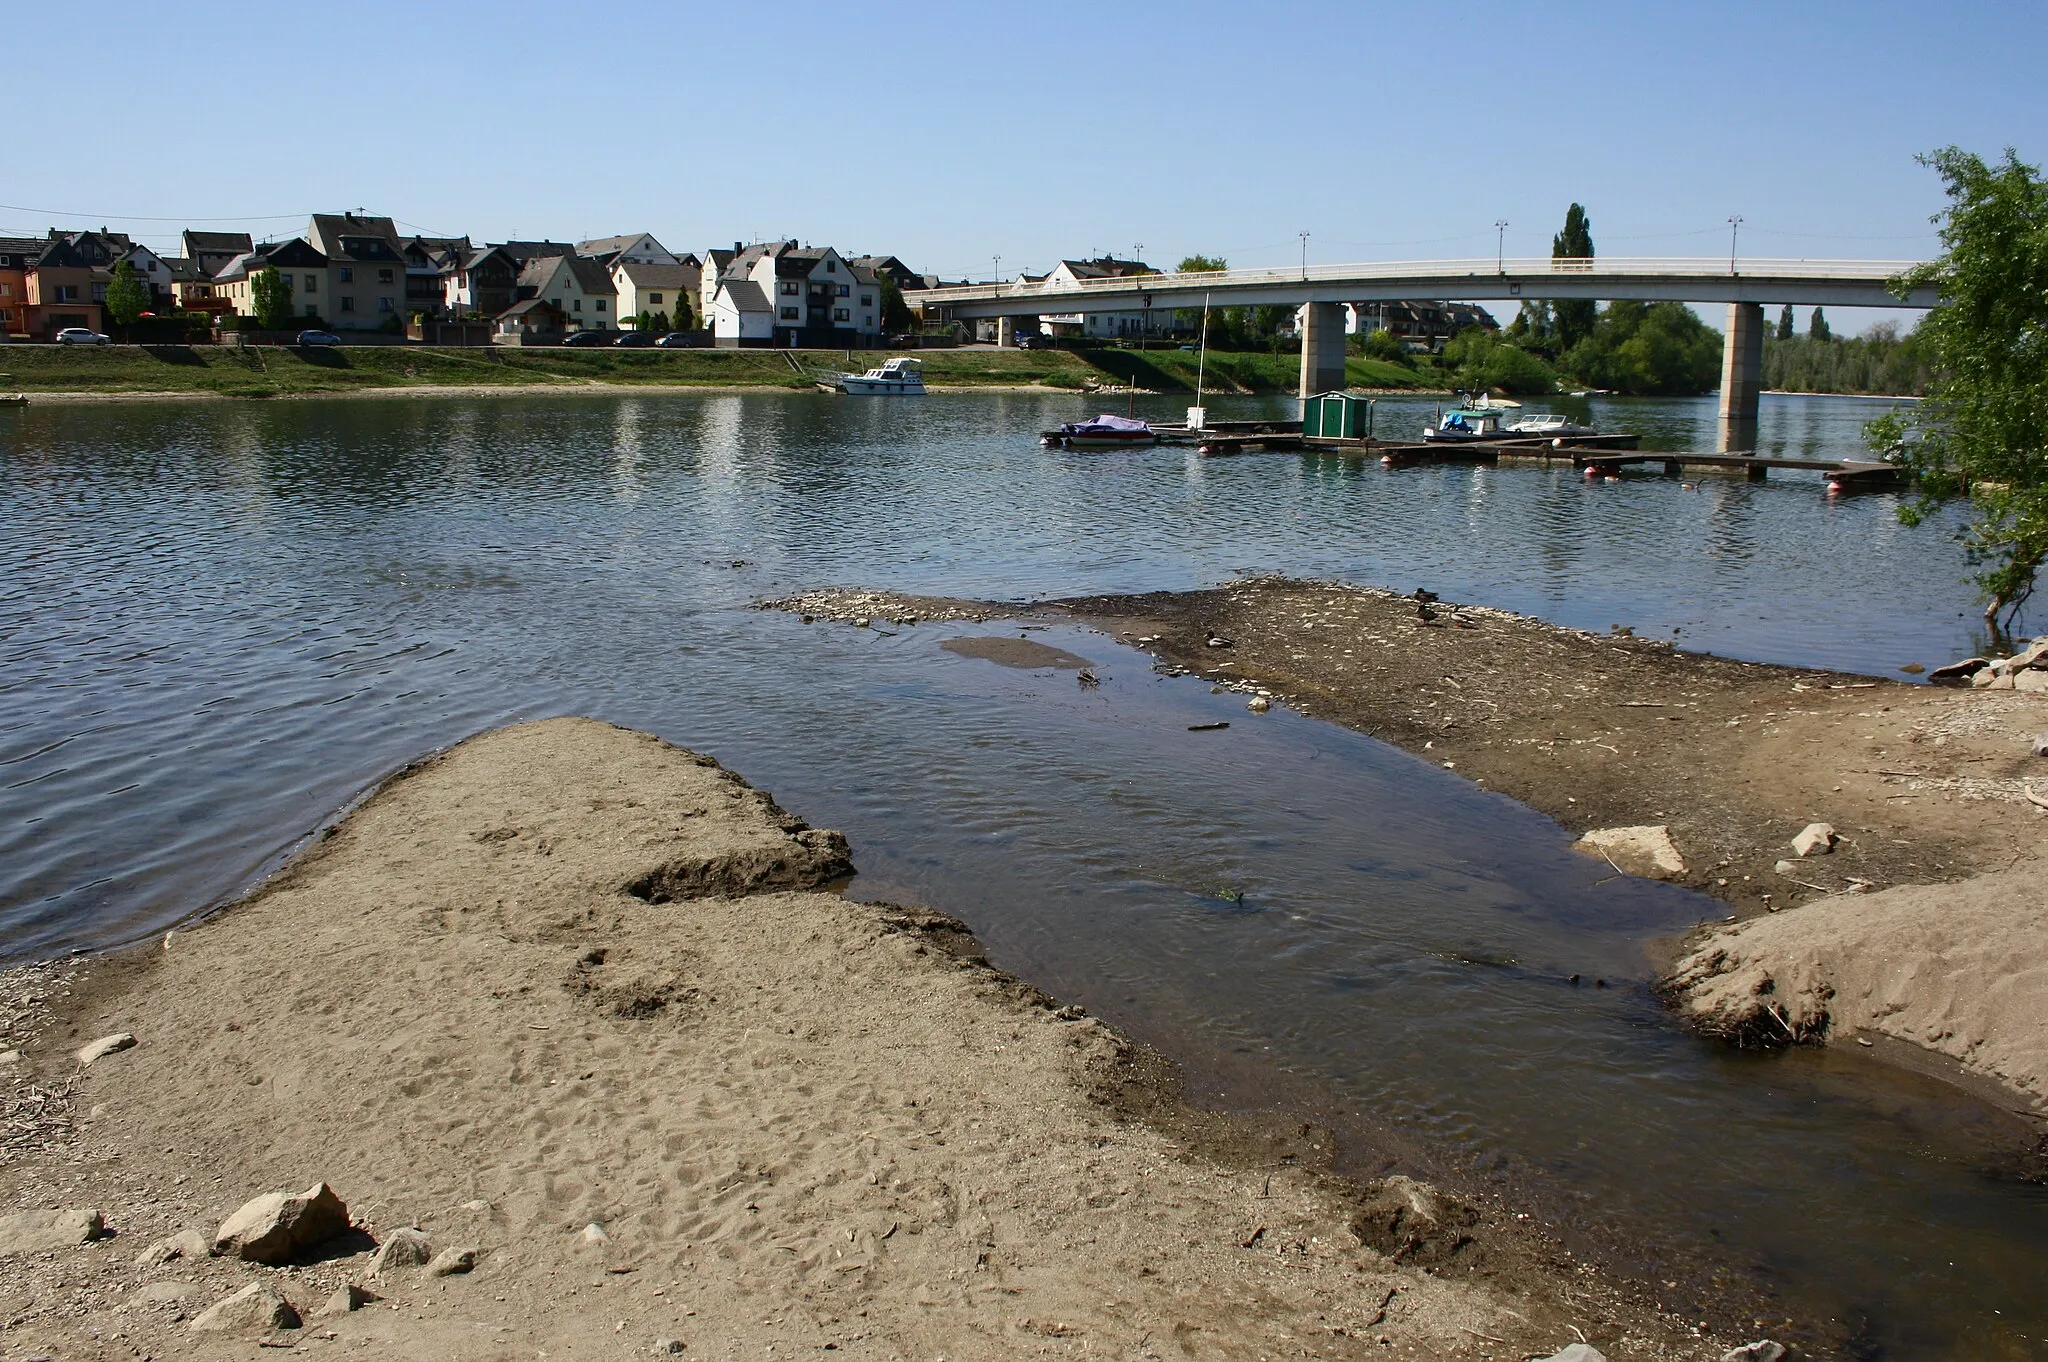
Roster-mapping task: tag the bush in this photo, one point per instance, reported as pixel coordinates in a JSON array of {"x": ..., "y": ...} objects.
[
  {"x": 1384, "y": 344},
  {"x": 1483, "y": 360},
  {"x": 1654, "y": 349}
]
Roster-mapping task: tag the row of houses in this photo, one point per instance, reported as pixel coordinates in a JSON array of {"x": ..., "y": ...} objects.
[{"x": 356, "y": 272}]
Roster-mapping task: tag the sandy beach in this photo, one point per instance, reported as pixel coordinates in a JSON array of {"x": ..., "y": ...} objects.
[{"x": 576, "y": 1015}]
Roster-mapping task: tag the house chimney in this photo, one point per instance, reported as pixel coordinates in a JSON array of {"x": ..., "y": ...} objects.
[{"x": 737, "y": 248}]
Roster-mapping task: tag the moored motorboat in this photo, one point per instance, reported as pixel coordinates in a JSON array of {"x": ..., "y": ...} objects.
[
  {"x": 1103, "y": 432},
  {"x": 903, "y": 377},
  {"x": 1463, "y": 425},
  {"x": 1548, "y": 423}
]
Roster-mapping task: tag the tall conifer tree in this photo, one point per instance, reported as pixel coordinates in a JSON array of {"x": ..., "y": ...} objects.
[{"x": 1572, "y": 318}]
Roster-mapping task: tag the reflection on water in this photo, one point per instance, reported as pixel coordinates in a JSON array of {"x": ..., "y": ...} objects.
[{"x": 217, "y": 622}]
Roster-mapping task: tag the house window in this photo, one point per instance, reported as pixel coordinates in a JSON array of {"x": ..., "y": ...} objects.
[
  {"x": 600, "y": 305},
  {"x": 654, "y": 299},
  {"x": 383, "y": 276},
  {"x": 790, "y": 314},
  {"x": 287, "y": 280},
  {"x": 348, "y": 274},
  {"x": 6, "y": 290},
  {"x": 312, "y": 311},
  {"x": 348, "y": 305},
  {"x": 67, "y": 293},
  {"x": 576, "y": 303},
  {"x": 844, "y": 290},
  {"x": 831, "y": 267},
  {"x": 789, "y": 288},
  {"x": 840, "y": 314},
  {"x": 312, "y": 283},
  {"x": 867, "y": 300},
  {"x": 384, "y": 304},
  {"x": 867, "y": 321}
]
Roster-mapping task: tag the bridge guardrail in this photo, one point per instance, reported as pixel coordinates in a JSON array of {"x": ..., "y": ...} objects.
[{"x": 1432, "y": 273}]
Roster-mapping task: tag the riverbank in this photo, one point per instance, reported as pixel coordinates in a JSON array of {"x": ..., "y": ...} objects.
[
  {"x": 1923, "y": 786},
  {"x": 578, "y": 1007},
  {"x": 157, "y": 371}
]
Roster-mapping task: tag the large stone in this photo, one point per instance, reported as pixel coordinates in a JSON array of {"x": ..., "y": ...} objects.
[
  {"x": 277, "y": 1226},
  {"x": 1815, "y": 839},
  {"x": 401, "y": 1249},
  {"x": 257, "y": 1308},
  {"x": 2034, "y": 654},
  {"x": 2041, "y": 744},
  {"x": 1763, "y": 1350},
  {"x": 1577, "y": 1352},
  {"x": 1957, "y": 673},
  {"x": 104, "y": 1046},
  {"x": 162, "y": 1293},
  {"x": 1412, "y": 1222},
  {"x": 186, "y": 1244},
  {"x": 346, "y": 1300},
  {"x": 36, "y": 1231},
  {"x": 1644, "y": 850},
  {"x": 2034, "y": 679},
  {"x": 451, "y": 1261}
]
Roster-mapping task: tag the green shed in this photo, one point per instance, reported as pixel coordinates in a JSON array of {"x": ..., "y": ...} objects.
[{"x": 1342, "y": 416}]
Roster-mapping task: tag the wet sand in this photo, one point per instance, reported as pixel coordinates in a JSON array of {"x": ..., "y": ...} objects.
[{"x": 566, "y": 975}]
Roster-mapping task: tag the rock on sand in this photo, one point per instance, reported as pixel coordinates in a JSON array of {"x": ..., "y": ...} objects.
[
  {"x": 1645, "y": 851},
  {"x": 277, "y": 1225},
  {"x": 257, "y": 1308},
  {"x": 35, "y": 1231}
]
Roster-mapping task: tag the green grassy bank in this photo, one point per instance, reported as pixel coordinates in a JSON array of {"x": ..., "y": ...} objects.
[{"x": 278, "y": 372}]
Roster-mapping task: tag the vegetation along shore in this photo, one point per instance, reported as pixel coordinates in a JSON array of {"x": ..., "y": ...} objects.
[{"x": 282, "y": 371}]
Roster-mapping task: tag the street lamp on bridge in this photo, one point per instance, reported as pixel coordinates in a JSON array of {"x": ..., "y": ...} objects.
[
  {"x": 1500, "y": 246},
  {"x": 1734, "y": 227}
]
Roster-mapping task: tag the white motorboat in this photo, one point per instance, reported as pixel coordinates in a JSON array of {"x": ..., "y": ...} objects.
[
  {"x": 902, "y": 377},
  {"x": 1548, "y": 423},
  {"x": 1463, "y": 425}
]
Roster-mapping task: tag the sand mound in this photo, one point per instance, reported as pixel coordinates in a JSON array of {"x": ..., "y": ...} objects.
[
  {"x": 1960, "y": 969},
  {"x": 568, "y": 976}
]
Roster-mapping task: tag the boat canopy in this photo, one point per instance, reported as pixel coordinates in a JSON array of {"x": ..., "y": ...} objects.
[{"x": 1106, "y": 423}]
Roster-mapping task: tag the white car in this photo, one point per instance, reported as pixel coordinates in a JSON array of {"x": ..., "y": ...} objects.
[{"x": 78, "y": 335}]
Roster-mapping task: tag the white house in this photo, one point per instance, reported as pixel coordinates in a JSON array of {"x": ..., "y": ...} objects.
[
  {"x": 1102, "y": 325},
  {"x": 741, "y": 314},
  {"x": 818, "y": 297},
  {"x": 640, "y": 249}
]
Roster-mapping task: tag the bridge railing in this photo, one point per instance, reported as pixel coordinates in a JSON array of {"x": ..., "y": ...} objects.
[{"x": 1436, "y": 274}]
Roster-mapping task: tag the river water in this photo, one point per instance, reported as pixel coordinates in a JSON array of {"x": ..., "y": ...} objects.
[{"x": 219, "y": 621}]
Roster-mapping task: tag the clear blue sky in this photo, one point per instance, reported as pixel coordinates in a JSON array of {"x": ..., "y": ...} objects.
[{"x": 950, "y": 133}]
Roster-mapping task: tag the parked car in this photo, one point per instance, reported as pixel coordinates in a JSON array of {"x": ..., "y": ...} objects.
[
  {"x": 634, "y": 340},
  {"x": 311, "y": 337},
  {"x": 588, "y": 338},
  {"x": 679, "y": 340},
  {"x": 79, "y": 335},
  {"x": 1034, "y": 340}
]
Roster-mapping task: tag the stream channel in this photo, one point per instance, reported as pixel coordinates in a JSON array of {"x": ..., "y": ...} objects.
[{"x": 219, "y": 621}]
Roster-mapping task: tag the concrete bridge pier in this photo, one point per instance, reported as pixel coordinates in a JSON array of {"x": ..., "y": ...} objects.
[
  {"x": 1742, "y": 376},
  {"x": 1006, "y": 332},
  {"x": 1322, "y": 348}
]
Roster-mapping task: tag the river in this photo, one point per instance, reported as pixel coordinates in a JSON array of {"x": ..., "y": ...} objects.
[{"x": 219, "y": 621}]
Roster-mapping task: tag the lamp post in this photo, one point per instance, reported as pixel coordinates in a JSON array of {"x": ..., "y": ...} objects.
[
  {"x": 1500, "y": 246},
  {"x": 1734, "y": 227},
  {"x": 1304, "y": 257},
  {"x": 999, "y": 269}
]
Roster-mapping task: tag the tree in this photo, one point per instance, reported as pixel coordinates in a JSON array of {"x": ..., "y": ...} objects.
[
  {"x": 1380, "y": 343},
  {"x": 1785, "y": 322},
  {"x": 896, "y": 314},
  {"x": 1650, "y": 349},
  {"x": 1572, "y": 318},
  {"x": 1202, "y": 264},
  {"x": 1980, "y": 431},
  {"x": 273, "y": 298},
  {"x": 126, "y": 297},
  {"x": 1818, "y": 327},
  {"x": 1483, "y": 360}
]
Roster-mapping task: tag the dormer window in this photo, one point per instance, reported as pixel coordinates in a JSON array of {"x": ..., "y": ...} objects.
[{"x": 831, "y": 267}]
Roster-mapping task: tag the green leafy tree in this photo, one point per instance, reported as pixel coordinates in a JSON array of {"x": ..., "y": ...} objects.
[
  {"x": 1573, "y": 317},
  {"x": 273, "y": 298},
  {"x": 1785, "y": 322},
  {"x": 896, "y": 313},
  {"x": 1879, "y": 361},
  {"x": 1818, "y": 327},
  {"x": 1660, "y": 349},
  {"x": 1380, "y": 343},
  {"x": 1534, "y": 328},
  {"x": 1202, "y": 264},
  {"x": 1983, "y": 428},
  {"x": 126, "y": 297}
]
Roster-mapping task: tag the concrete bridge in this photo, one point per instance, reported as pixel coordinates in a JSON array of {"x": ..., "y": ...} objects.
[{"x": 1745, "y": 285}]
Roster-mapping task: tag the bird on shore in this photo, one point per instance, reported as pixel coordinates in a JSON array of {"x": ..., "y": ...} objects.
[
  {"x": 1425, "y": 612},
  {"x": 1425, "y": 596}
]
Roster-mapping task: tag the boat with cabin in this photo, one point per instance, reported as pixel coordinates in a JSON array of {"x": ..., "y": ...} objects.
[
  {"x": 900, "y": 377},
  {"x": 1548, "y": 423}
]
